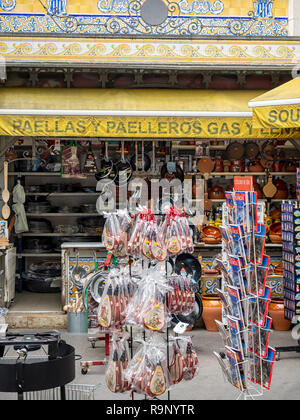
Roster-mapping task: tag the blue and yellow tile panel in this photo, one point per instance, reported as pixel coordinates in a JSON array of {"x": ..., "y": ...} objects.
[{"x": 125, "y": 17}]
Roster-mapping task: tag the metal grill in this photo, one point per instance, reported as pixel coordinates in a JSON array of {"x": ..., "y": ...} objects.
[{"x": 73, "y": 393}]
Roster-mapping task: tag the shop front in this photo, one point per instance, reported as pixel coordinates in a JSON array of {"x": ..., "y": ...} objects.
[{"x": 180, "y": 126}]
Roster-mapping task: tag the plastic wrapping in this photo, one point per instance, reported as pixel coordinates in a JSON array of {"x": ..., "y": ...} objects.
[
  {"x": 115, "y": 299},
  {"x": 181, "y": 297},
  {"x": 118, "y": 363},
  {"x": 148, "y": 308},
  {"x": 147, "y": 372},
  {"x": 156, "y": 242}
]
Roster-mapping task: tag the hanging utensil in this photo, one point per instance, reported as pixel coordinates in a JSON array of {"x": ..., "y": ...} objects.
[
  {"x": 235, "y": 151},
  {"x": 208, "y": 204},
  {"x": 205, "y": 165},
  {"x": 251, "y": 150},
  {"x": 124, "y": 169},
  {"x": 108, "y": 168},
  {"x": 5, "y": 194},
  {"x": 140, "y": 162},
  {"x": 78, "y": 273},
  {"x": 269, "y": 189}
]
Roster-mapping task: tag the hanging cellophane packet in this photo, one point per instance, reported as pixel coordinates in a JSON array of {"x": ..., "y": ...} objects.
[
  {"x": 148, "y": 307},
  {"x": 116, "y": 297},
  {"x": 117, "y": 365},
  {"x": 111, "y": 232},
  {"x": 148, "y": 370},
  {"x": 181, "y": 297}
]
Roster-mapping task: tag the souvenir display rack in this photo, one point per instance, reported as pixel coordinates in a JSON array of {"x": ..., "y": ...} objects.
[
  {"x": 247, "y": 361},
  {"x": 147, "y": 306}
]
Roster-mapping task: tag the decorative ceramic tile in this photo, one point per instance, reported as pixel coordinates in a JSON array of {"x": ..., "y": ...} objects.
[
  {"x": 139, "y": 17},
  {"x": 93, "y": 51}
]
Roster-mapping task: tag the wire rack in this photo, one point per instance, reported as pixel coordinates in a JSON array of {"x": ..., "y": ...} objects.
[{"x": 74, "y": 392}]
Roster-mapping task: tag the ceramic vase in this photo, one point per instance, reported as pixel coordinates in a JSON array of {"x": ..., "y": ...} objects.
[{"x": 212, "y": 311}]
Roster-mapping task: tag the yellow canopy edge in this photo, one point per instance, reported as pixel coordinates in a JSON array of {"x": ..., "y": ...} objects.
[
  {"x": 130, "y": 113},
  {"x": 278, "y": 108}
]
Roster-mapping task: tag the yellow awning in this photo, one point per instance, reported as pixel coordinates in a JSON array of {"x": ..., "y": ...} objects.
[
  {"x": 278, "y": 108},
  {"x": 129, "y": 113}
]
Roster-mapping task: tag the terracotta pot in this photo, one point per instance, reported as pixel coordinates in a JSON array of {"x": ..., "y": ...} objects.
[
  {"x": 275, "y": 214},
  {"x": 278, "y": 166},
  {"x": 276, "y": 312},
  {"x": 255, "y": 166},
  {"x": 219, "y": 165},
  {"x": 290, "y": 166},
  {"x": 278, "y": 270},
  {"x": 276, "y": 228},
  {"x": 216, "y": 193},
  {"x": 275, "y": 239},
  {"x": 212, "y": 310},
  {"x": 282, "y": 189},
  {"x": 211, "y": 235}
]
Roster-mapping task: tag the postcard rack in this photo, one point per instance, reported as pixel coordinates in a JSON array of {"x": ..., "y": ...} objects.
[{"x": 247, "y": 360}]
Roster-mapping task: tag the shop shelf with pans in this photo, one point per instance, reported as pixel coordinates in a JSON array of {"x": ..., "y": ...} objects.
[
  {"x": 61, "y": 214},
  {"x": 59, "y": 234},
  {"x": 45, "y": 254},
  {"x": 70, "y": 194},
  {"x": 57, "y": 174}
]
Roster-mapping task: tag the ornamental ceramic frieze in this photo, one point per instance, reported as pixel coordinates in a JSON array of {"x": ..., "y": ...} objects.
[
  {"x": 91, "y": 51},
  {"x": 180, "y": 18}
]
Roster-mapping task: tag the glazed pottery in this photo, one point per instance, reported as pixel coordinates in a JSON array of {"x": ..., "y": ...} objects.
[
  {"x": 278, "y": 270},
  {"x": 216, "y": 193},
  {"x": 211, "y": 235},
  {"x": 219, "y": 164},
  {"x": 276, "y": 312},
  {"x": 282, "y": 189},
  {"x": 275, "y": 214},
  {"x": 212, "y": 311},
  {"x": 278, "y": 166},
  {"x": 255, "y": 166},
  {"x": 291, "y": 166}
]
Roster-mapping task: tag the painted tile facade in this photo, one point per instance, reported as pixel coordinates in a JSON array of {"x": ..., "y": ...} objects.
[{"x": 146, "y": 17}]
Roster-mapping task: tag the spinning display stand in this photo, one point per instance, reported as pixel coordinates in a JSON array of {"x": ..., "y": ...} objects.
[
  {"x": 138, "y": 296},
  {"x": 247, "y": 362}
]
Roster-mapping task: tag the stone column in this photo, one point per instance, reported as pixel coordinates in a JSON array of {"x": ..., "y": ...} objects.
[{"x": 294, "y": 18}]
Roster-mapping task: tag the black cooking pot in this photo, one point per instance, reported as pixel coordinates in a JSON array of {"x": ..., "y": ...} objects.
[{"x": 191, "y": 265}]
